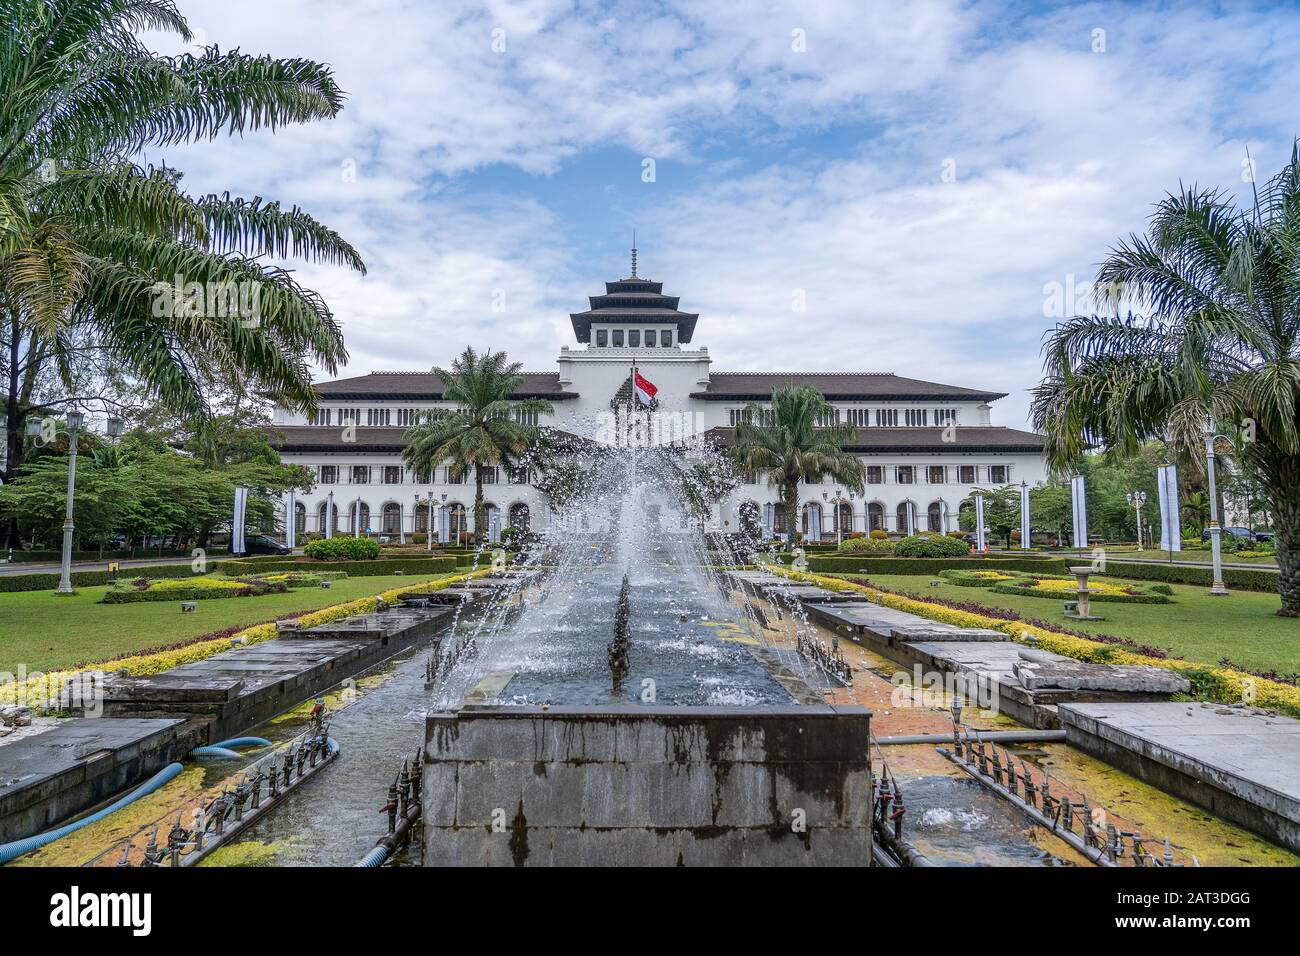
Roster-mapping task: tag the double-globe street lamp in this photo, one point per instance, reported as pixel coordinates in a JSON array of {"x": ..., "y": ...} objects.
[
  {"x": 1136, "y": 500},
  {"x": 838, "y": 500},
  {"x": 46, "y": 430}
]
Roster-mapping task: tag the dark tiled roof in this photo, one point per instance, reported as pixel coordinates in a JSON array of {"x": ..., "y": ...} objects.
[
  {"x": 379, "y": 440},
  {"x": 836, "y": 386},
  {"x": 428, "y": 387},
  {"x": 969, "y": 438},
  {"x": 634, "y": 300}
]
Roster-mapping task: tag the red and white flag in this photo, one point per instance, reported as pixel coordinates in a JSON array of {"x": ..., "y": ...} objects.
[{"x": 644, "y": 388}]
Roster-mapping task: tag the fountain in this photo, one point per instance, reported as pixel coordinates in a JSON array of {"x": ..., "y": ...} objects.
[{"x": 679, "y": 741}]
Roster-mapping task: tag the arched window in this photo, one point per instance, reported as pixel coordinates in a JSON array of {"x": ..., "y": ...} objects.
[
  {"x": 875, "y": 516},
  {"x": 520, "y": 517},
  {"x": 844, "y": 517},
  {"x": 321, "y": 516},
  {"x": 750, "y": 516},
  {"x": 902, "y": 519},
  {"x": 456, "y": 521},
  {"x": 299, "y": 520},
  {"x": 392, "y": 523},
  {"x": 934, "y": 517},
  {"x": 365, "y": 518},
  {"x": 812, "y": 520}
]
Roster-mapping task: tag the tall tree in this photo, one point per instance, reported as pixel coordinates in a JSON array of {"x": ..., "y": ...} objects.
[
  {"x": 1221, "y": 285},
  {"x": 787, "y": 443},
  {"x": 486, "y": 430},
  {"x": 102, "y": 257}
]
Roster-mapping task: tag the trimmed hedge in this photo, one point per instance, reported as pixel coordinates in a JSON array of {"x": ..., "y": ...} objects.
[
  {"x": 204, "y": 588},
  {"x": 971, "y": 579},
  {"x": 1026, "y": 590},
  {"x": 867, "y": 564},
  {"x": 356, "y": 569},
  {"x": 1240, "y": 578}
]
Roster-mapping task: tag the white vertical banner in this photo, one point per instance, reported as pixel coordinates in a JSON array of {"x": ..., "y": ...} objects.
[
  {"x": 401, "y": 524},
  {"x": 911, "y": 519},
  {"x": 1079, "y": 501},
  {"x": 494, "y": 525},
  {"x": 1026, "y": 532},
  {"x": 290, "y": 520},
  {"x": 329, "y": 516},
  {"x": 237, "y": 520},
  {"x": 943, "y": 517},
  {"x": 979, "y": 524},
  {"x": 769, "y": 520},
  {"x": 356, "y": 518},
  {"x": 444, "y": 533},
  {"x": 1171, "y": 532}
]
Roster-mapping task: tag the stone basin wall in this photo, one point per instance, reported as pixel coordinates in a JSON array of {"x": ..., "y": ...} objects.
[{"x": 641, "y": 786}]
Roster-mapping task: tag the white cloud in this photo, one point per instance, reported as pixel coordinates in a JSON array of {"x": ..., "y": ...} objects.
[{"x": 816, "y": 170}]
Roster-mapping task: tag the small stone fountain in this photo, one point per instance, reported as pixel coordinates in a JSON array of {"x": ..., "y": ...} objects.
[{"x": 1083, "y": 607}]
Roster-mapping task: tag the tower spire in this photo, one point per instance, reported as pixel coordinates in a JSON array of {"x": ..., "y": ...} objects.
[{"x": 633, "y": 253}]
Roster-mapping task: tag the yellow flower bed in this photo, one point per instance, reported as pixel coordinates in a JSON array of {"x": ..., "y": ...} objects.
[
  {"x": 1060, "y": 585},
  {"x": 1221, "y": 684},
  {"x": 43, "y": 686}
]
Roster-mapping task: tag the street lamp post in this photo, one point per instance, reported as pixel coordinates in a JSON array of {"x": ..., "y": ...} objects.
[
  {"x": 1136, "y": 500},
  {"x": 839, "y": 526},
  {"x": 35, "y": 429},
  {"x": 1217, "y": 588}
]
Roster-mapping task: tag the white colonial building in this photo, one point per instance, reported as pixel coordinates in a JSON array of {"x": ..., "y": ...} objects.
[{"x": 926, "y": 446}]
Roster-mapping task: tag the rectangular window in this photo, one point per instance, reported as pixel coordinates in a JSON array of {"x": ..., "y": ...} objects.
[
  {"x": 423, "y": 478},
  {"x": 455, "y": 476},
  {"x": 935, "y": 473},
  {"x": 666, "y": 338},
  {"x": 751, "y": 478},
  {"x": 618, "y": 338},
  {"x": 649, "y": 338},
  {"x": 905, "y": 474},
  {"x": 916, "y": 417},
  {"x": 329, "y": 474},
  {"x": 392, "y": 474},
  {"x": 489, "y": 475},
  {"x": 861, "y": 417},
  {"x": 887, "y": 417},
  {"x": 998, "y": 474},
  {"x": 633, "y": 338},
  {"x": 875, "y": 475},
  {"x": 966, "y": 474},
  {"x": 602, "y": 338},
  {"x": 361, "y": 474},
  {"x": 519, "y": 476}
]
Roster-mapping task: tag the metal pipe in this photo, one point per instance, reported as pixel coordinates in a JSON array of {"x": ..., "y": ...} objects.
[{"x": 1001, "y": 736}]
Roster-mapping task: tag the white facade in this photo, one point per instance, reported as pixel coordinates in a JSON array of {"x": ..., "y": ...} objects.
[{"x": 924, "y": 444}]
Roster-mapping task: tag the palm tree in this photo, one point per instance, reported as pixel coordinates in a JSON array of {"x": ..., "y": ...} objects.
[
  {"x": 1222, "y": 286},
  {"x": 787, "y": 443},
  {"x": 91, "y": 244},
  {"x": 487, "y": 430}
]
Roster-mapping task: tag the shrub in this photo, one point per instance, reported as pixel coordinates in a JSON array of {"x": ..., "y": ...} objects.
[
  {"x": 1066, "y": 588},
  {"x": 879, "y": 535},
  {"x": 1160, "y": 589},
  {"x": 930, "y": 546},
  {"x": 193, "y": 589},
  {"x": 347, "y": 549},
  {"x": 958, "y": 534},
  {"x": 356, "y": 569},
  {"x": 867, "y": 546}
]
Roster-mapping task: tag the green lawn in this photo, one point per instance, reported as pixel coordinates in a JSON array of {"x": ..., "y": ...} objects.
[
  {"x": 1242, "y": 627},
  {"x": 46, "y": 632}
]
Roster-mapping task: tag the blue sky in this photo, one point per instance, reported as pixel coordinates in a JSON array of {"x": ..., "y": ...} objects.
[{"x": 924, "y": 176}]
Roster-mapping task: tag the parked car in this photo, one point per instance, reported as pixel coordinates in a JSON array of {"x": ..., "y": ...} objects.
[
  {"x": 1243, "y": 535},
  {"x": 1264, "y": 537},
  {"x": 265, "y": 544}
]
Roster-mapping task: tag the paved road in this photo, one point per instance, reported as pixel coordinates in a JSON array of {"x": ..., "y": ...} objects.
[{"x": 45, "y": 567}]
